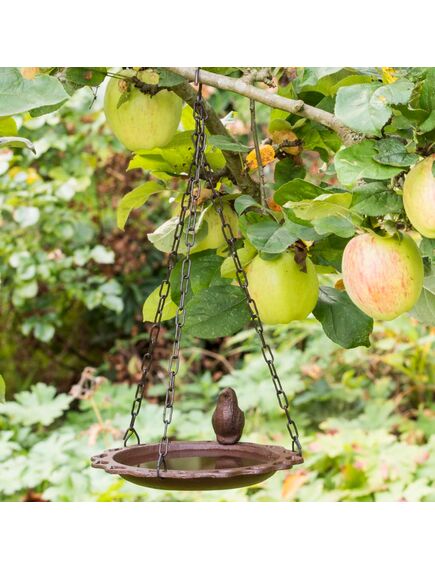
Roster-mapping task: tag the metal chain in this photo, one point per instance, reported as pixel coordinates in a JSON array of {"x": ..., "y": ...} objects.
[
  {"x": 193, "y": 191},
  {"x": 252, "y": 306},
  {"x": 188, "y": 205}
]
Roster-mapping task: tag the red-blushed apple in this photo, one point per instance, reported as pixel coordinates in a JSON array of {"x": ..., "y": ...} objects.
[
  {"x": 383, "y": 275},
  {"x": 419, "y": 197},
  {"x": 281, "y": 290},
  {"x": 141, "y": 122}
]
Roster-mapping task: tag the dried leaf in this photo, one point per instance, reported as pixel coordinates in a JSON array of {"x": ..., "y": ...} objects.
[
  {"x": 293, "y": 482},
  {"x": 267, "y": 154}
]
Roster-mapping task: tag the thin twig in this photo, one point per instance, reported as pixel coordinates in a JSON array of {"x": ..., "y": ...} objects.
[
  {"x": 258, "y": 154},
  {"x": 214, "y": 355}
]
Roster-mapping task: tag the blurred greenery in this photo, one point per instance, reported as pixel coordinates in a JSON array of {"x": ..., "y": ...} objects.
[{"x": 71, "y": 297}]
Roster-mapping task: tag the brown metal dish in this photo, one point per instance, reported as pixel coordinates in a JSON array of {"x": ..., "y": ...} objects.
[{"x": 197, "y": 465}]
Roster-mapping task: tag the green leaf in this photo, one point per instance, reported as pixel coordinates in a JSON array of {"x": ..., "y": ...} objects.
[
  {"x": 329, "y": 251},
  {"x": 169, "y": 78},
  {"x": 427, "y": 247},
  {"x": 342, "y": 321},
  {"x": 226, "y": 143},
  {"x": 427, "y": 96},
  {"x": 26, "y": 216},
  {"x": 320, "y": 138},
  {"x": 217, "y": 311},
  {"x": 162, "y": 238},
  {"x": 355, "y": 109},
  {"x": 365, "y": 107},
  {"x": 150, "y": 162},
  {"x": 286, "y": 170},
  {"x": 245, "y": 253},
  {"x": 270, "y": 237},
  {"x": 424, "y": 310},
  {"x": 16, "y": 142},
  {"x": 300, "y": 228},
  {"x": 427, "y": 101},
  {"x": 2, "y": 389},
  {"x": 334, "y": 224},
  {"x": 297, "y": 190},
  {"x": 114, "y": 303},
  {"x": 375, "y": 199},
  {"x": 8, "y": 127},
  {"x": 179, "y": 152},
  {"x": 245, "y": 201},
  {"x": 82, "y": 76},
  {"x": 40, "y": 405},
  {"x": 321, "y": 79},
  {"x": 18, "y": 95},
  {"x": 428, "y": 124},
  {"x": 150, "y": 306},
  {"x": 397, "y": 93},
  {"x": 102, "y": 255},
  {"x": 135, "y": 198},
  {"x": 357, "y": 162},
  {"x": 43, "y": 331},
  {"x": 46, "y": 109},
  {"x": 392, "y": 152},
  {"x": 324, "y": 206}
]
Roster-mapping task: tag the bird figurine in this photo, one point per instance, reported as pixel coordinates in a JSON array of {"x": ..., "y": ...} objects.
[{"x": 228, "y": 420}]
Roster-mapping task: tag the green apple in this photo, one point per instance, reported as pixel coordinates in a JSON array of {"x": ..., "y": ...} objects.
[
  {"x": 383, "y": 275},
  {"x": 214, "y": 239},
  {"x": 142, "y": 121},
  {"x": 419, "y": 197},
  {"x": 281, "y": 290}
]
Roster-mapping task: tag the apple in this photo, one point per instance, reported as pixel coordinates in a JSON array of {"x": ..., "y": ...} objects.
[
  {"x": 383, "y": 275},
  {"x": 142, "y": 121},
  {"x": 281, "y": 290},
  {"x": 419, "y": 197},
  {"x": 215, "y": 237}
]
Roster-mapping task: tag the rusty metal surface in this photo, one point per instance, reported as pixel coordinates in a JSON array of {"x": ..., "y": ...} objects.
[{"x": 125, "y": 461}]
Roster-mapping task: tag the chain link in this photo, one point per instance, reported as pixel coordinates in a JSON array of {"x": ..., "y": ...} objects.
[{"x": 188, "y": 206}]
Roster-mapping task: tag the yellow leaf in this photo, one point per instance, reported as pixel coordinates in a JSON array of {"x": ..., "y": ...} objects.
[
  {"x": 267, "y": 154},
  {"x": 29, "y": 72},
  {"x": 293, "y": 482},
  {"x": 389, "y": 75},
  {"x": 150, "y": 307},
  {"x": 32, "y": 176}
]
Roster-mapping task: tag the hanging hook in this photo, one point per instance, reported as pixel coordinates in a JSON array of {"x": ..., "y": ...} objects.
[
  {"x": 197, "y": 76},
  {"x": 131, "y": 432}
]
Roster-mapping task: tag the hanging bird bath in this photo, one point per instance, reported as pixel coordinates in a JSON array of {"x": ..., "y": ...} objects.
[
  {"x": 197, "y": 465},
  {"x": 200, "y": 465}
]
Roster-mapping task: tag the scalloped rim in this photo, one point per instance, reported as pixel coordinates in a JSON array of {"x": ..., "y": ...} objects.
[{"x": 271, "y": 459}]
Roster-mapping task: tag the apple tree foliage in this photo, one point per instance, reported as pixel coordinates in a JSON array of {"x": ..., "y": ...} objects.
[{"x": 357, "y": 187}]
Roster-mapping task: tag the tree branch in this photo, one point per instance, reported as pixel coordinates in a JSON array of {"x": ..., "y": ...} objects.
[
  {"x": 235, "y": 165},
  {"x": 296, "y": 107}
]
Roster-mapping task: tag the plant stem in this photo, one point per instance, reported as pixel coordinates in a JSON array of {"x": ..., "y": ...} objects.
[{"x": 258, "y": 153}]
